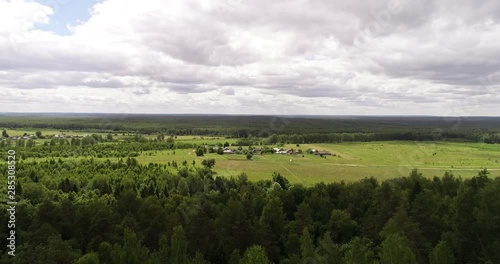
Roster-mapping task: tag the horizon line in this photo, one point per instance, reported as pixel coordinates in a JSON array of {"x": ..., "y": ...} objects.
[{"x": 214, "y": 114}]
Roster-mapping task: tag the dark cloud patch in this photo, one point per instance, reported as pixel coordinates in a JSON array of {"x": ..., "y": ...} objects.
[
  {"x": 228, "y": 91},
  {"x": 103, "y": 83},
  {"x": 188, "y": 88},
  {"x": 454, "y": 73},
  {"x": 142, "y": 91},
  {"x": 203, "y": 41}
]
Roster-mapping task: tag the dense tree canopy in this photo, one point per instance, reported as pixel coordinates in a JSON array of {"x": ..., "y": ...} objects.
[{"x": 88, "y": 211}]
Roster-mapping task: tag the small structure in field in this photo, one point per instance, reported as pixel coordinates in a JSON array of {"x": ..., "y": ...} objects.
[
  {"x": 257, "y": 150},
  {"x": 292, "y": 152},
  {"x": 228, "y": 151},
  {"x": 280, "y": 151}
]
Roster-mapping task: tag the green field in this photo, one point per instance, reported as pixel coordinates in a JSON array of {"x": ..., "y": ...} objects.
[
  {"x": 185, "y": 139},
  {"x": 32, "y": 131},
  {"x": 354, "y": 161}
]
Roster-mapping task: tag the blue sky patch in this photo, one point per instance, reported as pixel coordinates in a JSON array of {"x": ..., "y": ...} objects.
[{"x": 66, "y": 12}]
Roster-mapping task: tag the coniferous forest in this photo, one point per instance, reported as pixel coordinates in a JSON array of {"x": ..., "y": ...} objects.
[{"x": 122, "y": 212}]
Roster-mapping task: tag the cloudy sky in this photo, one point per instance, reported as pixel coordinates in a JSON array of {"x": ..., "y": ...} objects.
[{"x": 344, "y": 57}]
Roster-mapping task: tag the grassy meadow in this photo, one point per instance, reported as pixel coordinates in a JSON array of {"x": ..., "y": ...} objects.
[{"x": 354, "y": 161}]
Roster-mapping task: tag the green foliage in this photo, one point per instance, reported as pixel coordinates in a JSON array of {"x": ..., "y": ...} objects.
[
  {"x": 162, "y": 255},
  {"x": 209, "y": 163},
  {"x": 255, "y": 255},
  {"x": 442, "y": 254},
  {"x": 105, "y": 253},
  {"x": 306, "y": 247},
  {"x": 341, "y": 226},
  {"x": 327, "y": 251},
  {"x": 54, "y": 251},
  {"x": 178, "y": 252},
  {"x": 235, "y": 257},
  {"x": 89, "y": 258},
  {"x": 282, "y": 181},
  {"x": 183, "y": 187},
  {"x": 220, "y": 151},
  {"x": 200, "y": 151},
  {"x": 131, "y": 252},
  {"x": 197, "y": 259},
  {"x": 296, "y": 130},
  {"x": 395, "y": 250},
  {"x": 359, "y": 251},
  {"x": 272, "y": 221}
]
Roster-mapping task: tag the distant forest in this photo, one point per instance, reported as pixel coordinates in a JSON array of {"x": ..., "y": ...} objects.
[{"x": 285, "y": 129}]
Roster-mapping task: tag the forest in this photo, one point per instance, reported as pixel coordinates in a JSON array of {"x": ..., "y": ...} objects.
[
  {"x": 296, "y": 129},
  {"x": 89, "y": 200},
  {"x": 104, "y": 212}
]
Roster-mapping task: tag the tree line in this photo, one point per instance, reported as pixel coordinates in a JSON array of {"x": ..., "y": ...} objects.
[
  {"x": 406, "y": 128},
  {"x": 467, "y": 136}
]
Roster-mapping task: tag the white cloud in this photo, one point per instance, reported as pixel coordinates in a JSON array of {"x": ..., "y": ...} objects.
[{"x": 255, "y": 57}]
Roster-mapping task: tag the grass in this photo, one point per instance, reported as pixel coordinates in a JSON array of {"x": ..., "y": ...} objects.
[
  {"x": 205, "y": 140},
  {"x": 354, "y": 161},
  {"x": 31, "y": 131},
  {"x": 184, "y": 139}
]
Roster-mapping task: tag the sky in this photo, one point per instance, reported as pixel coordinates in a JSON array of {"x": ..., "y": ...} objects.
[{"x": 318, "y": 57}]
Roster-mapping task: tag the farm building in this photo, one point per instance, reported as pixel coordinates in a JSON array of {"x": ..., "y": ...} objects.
[
  {"x": 280, "y": 151},
  {"x": 228, "y": 151},
  {"x": 292, "y": 152}
]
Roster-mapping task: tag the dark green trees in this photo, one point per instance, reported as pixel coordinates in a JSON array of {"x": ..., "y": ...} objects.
[
  {"x": 341, "y": 226},
  {"x": 255, "y": 255},
  {"x": 131, "y": 252},
  {"x": 359, "y": 251},
  {"x": 93, "y": 211},
  {"x": 220, "y": 151},
  {"x": 200, "y": 151},
  {"x": 395, "y": 250},
  {"x": 209, "y": 163},
  {"x": 179, "y": 246},
  {"x": 442, "y": 254},
  {"x": 272, "y": 222}
]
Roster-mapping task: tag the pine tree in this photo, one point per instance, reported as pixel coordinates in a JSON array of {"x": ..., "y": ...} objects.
[
  {"x": 442, "y": 254},
  {"x": 255, "y": 255},
  {"x": 395, "y": 250},
  {"x": 179, "y": 245}
]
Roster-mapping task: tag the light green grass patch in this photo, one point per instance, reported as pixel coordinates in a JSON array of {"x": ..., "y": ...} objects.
[{"x": 354, "y": 161}]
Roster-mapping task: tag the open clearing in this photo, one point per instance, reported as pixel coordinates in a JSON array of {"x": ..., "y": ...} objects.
[{"x": 354, "y": 161}]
